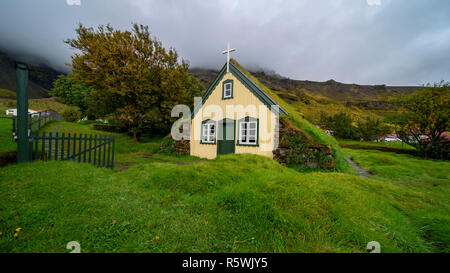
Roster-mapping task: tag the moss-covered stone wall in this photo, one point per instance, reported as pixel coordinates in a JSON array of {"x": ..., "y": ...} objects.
[{"x": 297, "y": 148}]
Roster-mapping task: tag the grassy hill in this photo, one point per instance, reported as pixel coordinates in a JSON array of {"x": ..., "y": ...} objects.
[
  {"x": 5, "y": 93},
  {"x": 297, "y": 118},
  {"x": 311, "y": 98},
  {"x": 155, "y": 202}
]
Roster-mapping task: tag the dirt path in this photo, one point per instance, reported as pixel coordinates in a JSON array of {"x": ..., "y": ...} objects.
[{"x": 361, "y": 172}]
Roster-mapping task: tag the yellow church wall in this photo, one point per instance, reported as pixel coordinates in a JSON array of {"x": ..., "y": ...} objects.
[{"x": 243, "y": 104}]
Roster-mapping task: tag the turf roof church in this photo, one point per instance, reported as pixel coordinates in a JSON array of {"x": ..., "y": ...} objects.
[{"x": 236, "y": 116}]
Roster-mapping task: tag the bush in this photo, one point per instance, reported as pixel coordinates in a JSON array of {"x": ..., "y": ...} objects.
[
  {"x": 171, "y": 146},
  {"x": 71, "y": 114}
]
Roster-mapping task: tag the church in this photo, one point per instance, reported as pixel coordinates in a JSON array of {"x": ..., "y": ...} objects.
[{"x": 235, "y": 116}]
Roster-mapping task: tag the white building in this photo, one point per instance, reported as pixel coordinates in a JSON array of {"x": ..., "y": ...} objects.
[{"x": 34, "y": 113}]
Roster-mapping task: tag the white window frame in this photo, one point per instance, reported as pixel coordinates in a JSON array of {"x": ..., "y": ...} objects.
[
  {"x": 210, "y": 136},
  {"x": 247, "y": 134},
  {"x": 225, "y": 86}
]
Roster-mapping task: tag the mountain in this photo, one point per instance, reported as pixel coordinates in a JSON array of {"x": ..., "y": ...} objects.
[
  {"x": 313, "y": 98},
  {"x": 40, "y": 80},
  {"x": 332, "y": 90}
]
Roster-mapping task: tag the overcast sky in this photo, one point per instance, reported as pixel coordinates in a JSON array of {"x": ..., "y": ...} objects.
[{"x": 395, "y": 42}]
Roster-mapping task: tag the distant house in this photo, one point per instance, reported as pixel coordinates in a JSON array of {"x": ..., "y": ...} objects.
[
  {"x": 390, "y": 138},
  {"x": 327, "y": 130},
  {"x": 33, "y": 113},
  {"x": 445, "y": 137}
]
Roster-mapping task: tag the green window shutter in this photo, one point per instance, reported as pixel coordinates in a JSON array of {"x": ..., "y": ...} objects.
[{"x": 225, "y": 84}]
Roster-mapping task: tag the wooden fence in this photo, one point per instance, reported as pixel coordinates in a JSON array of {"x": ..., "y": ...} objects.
[
  {"x": 35, "y": 121},
  {"x": 96, "y": 150}
]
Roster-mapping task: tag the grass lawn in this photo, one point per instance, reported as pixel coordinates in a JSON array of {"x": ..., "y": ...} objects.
[
  {"x": 237, "y": 203},
  {"x": 6, "y": 140},
  {"x": 395, "y": 145},
  {"x": 428, "y": 177}
]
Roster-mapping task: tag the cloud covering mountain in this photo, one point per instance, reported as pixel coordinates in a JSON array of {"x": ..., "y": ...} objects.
[{"x": 395, "y": 42}]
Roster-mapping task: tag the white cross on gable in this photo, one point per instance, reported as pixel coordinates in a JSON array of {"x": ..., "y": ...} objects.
[{"x": 228, "y": 51}]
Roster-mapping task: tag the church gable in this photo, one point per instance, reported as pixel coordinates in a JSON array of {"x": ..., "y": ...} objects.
[{"x": 226, "y": 85}]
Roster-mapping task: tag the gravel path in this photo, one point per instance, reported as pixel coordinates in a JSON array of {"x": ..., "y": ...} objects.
[{"x": 361, "y": 172}]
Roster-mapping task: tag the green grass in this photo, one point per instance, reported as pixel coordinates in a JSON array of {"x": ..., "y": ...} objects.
[
  {"x": 156, "y": 202},
  {"x": 7, "y": 143},
  {"x": 394, "y": 145},
  {"x": 430, "y": 178},
  {"x": 237, "y": 203}
]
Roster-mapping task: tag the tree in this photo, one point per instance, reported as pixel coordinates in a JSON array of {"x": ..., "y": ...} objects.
[
  {"x": 426, "y": 113},
  {"x": 134, "y": 79},
  {"x": 370, "y": 129},
  {"x": 71, "y": 91},
  {"x": 342, "y": 125}
]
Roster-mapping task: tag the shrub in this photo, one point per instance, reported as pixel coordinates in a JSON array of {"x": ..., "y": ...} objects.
[
  {"x": 71, "y": 114},
  {"x": 171, "y": 146}
]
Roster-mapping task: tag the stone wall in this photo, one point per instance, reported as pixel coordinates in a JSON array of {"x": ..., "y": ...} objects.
[
  {"x": 297, "y": 148},
  {"x": 182, "y": 147}
]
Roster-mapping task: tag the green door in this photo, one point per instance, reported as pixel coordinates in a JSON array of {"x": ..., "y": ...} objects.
[{"x": 226, "y": 137}]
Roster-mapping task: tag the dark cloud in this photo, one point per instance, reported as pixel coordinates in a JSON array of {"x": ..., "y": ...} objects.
[{"x": 399, "y": 42}]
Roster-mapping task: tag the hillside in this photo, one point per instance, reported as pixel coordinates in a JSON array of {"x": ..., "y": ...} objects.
[
  {"x": 40, "y": 81},
  {"x": 295, "y": 117},
  {"x": 311, "y": 98},
  {"x": 155, "y": 202}
]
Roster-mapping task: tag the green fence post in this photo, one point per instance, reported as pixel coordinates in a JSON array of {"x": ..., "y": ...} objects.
[
  {"x": 104, "y": 152},
  {"x": 43, "y": 147},
  {"x": 90, "y": 148},
  {"x": 50, "y": 138},
  {"x": 108, "y": 163},
  {"x": 68, "y": 147},
  {"x": 23, "y": 145},
  {"x": 74, "y": 146},
  {"x": 85, "y": 148},
  {"x": 62, "y": 146},
  {"x": 36, "y": 145},
  {"x": 113, "y": 147},
  {"x": 56, "y": 146},
  {"x": 79, "y": 148},
  {"x": 95, "y": 150}
]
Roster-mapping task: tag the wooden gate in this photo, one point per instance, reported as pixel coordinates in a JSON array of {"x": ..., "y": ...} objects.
[{"x": 96, "y": 150}]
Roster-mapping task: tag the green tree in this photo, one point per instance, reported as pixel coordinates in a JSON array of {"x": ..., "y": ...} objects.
[
  {"x": 370, "y": 129},
  {"x": 342, "y": 125},
  {"x": 71, "y": 91},
  {"x": 426, "y": 113},
  {"x": 134, "y": 79}
]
